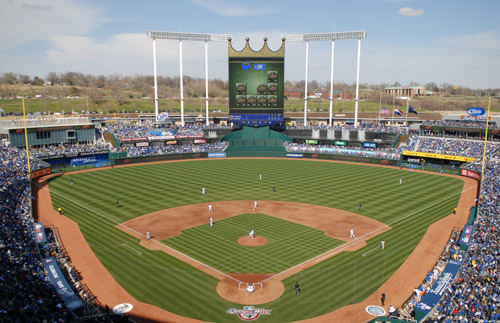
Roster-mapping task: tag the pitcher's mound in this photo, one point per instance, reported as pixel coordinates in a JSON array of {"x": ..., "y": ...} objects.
[{"x": 256, "y": 241}]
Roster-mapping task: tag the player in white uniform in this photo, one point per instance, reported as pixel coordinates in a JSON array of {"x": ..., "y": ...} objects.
[
  {"x": 210, "y": 208},
  {"x": 211, "y": 222},
  {"x": 352, "y": 232},
  {"x": 251, "y": 234}
]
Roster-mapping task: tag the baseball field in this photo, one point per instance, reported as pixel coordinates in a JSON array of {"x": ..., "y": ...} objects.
[{"x": 200, "y": 271}]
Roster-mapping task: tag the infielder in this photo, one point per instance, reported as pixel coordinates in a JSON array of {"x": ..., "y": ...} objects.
[
  {"x": 251, "y": 234},
  {"x": 210, "y": 208},
  {"x": 400, "y": 181},
  {"x": 352, "y": 233},
  {"x": 148, "y": 235},
  {"x": 255, "y": 204}
]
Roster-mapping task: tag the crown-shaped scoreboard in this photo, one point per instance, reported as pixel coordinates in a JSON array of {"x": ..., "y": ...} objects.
[{"x": 256, "y": 84}]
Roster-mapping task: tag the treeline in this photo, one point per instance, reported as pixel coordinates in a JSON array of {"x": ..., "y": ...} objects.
[{"x": 121, "y": 88}]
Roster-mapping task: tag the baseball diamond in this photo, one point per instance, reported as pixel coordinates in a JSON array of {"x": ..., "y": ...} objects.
[{"x": 190, "y": 271}]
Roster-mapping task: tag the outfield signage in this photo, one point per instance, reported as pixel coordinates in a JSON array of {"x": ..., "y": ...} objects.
[
  {"x": 369, "y": 145},
  {"x": 248, "y": 313},
  {"x": 471, "y": 174},
  {"x": 312, "y": 141},
  {"x": 71, "y": 300},
  {"x": 40, "y": 237},
  {"x": 85, "y": 160},
  {"x": 217, "y": 155},
  {"x": 295, "y": 155},
  {"x": 199, "y": 141},
  {"x": 344, "y": 151},
  {"x": 431, "y": 298},
  {"x": 438, "y": 156},
  {"x": 340, "y": 143}
]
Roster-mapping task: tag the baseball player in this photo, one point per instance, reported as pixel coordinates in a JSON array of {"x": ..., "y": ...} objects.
[
  {"x": 203, "y": 190},
  {"x": 400, "y": 181},
  {"x": 117, "y": 203},
  {"x": 251, "y": 234},
  {"x": 211, "y": 222},
  {"x": 210, "y": 209},
  {"x": 260, "y": 177},
  {"x": 352, "y": 233},
  {"x": 148, "y": 235},
  {"x": 382, "y": 244},
  {"x": 71, "y": 181},
  {"x": 255, "y": 204}
]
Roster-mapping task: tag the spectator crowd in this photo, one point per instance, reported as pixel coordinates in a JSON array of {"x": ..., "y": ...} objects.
[{"x": 26, "y": 295}]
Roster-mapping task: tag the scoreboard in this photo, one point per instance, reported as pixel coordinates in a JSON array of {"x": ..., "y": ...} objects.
[{"x": 256, "y": 85}]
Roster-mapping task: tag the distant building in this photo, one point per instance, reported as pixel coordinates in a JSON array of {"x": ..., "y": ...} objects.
[{"x": 408, "y": 91}]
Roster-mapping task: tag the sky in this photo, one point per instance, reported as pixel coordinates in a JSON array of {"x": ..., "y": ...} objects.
[{"x": 442, "y": 41}]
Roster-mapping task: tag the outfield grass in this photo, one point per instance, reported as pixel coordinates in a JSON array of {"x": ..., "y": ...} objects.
[{"x": 164, "y": 281}]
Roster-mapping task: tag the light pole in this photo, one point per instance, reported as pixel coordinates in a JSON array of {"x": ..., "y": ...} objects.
[
  {"x": 332, "y": 37},
  {"x": 180, "y": 37}
]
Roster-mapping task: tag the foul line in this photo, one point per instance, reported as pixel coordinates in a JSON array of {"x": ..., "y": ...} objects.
[
  {"x": 139, "y": 233},
  {"x": 370, "y": 251},
  {"x": 353, "y": 242},
  {"x": 126, "y": 245}
]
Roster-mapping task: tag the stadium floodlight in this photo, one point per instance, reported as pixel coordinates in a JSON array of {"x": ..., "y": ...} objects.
[
  {"x": 187, "y": 36},
  {"x": 326, "y": 36},
  {"x": 361, "y": 34},
  {"x": 180, "y": 36}
]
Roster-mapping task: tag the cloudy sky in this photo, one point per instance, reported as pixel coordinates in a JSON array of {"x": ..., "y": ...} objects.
[{"x": 443, "y": 41}]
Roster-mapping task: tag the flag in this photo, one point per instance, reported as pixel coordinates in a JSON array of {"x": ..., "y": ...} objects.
[
  {"x": 411, "y": 110},
  {"x": 397, "y": 111},
  {"x": 385, "y": 111}
]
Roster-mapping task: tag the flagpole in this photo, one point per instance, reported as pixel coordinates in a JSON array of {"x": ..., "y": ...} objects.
[
  {"x": 393, "y": 106},
  {"x": 407, "y": 107},
  {"x": 485, "y": 138},
  {"x": 380, "y": 106}
]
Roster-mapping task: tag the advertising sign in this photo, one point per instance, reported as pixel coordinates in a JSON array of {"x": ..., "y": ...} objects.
[
  {"x": 369, "y": 145},
  {"x": 312, "y": 141},
  {"x": 430, "y": 299},
  {"x": 61, "y": 285},
  {"x": 216, "y": 155},
  {"x": 475, "y": 112},
  {"x": 340, "y": 143}
]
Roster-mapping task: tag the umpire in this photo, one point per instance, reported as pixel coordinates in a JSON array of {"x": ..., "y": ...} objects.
[{"x": 297, "y": 288}]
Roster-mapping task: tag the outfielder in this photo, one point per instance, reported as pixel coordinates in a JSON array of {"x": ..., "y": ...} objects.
[
  {"x": 203, "y": 190},
  {"x": 211, "y": 222},
  {"x": 148, "y": 235}
]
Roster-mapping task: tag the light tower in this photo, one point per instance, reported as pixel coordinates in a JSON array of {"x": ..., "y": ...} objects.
[
  {"x": 333, "y": 37},
  {"x": 180, "y": 37}
]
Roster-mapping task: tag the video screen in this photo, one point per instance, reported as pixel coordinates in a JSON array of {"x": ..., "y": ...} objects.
[{"x": 256, "y": 90}]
